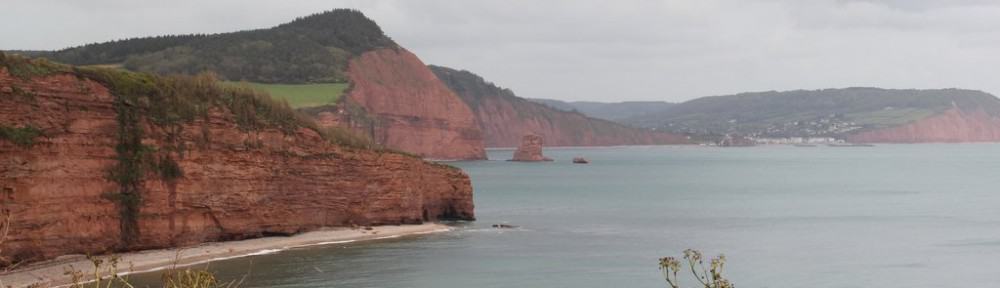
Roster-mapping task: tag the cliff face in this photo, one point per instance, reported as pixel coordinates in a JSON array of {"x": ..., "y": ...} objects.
[
  {"x": 504, "y": 118},
  {"x": 234, "y": 185},
  {"x": 953, "y": 125},
  {"x": 404, "y": 106}
]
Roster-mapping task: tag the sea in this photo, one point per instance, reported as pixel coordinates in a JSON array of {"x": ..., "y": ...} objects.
[{"x": 925, "y": 215}]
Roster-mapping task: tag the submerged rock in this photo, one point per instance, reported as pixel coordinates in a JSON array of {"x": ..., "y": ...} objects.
[{"x": 530, "y": 150}]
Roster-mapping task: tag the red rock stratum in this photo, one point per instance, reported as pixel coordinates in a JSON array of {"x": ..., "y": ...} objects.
[
  {"x": 401, "y": 104},
  {"x": 234, "y": 183},
  {"x": 954, "y": 125}
]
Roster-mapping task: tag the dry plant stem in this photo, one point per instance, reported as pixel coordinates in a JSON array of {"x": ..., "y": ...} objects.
[
  {"x": 708, "y": 277},
  {"x": 3, "y": 236},
  {"x": 8, "y": 218}
]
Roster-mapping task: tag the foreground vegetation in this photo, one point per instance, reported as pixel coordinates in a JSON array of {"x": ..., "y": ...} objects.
[
  {"x": 299, "y": 95},
  {"x": 106, "y": 274},
  {"x": 707, "y": 277}
]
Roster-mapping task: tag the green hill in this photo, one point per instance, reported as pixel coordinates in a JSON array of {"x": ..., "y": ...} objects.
[
  {"x": 828, "y": 112},
  {"x": 504, "y": 118},
  {"x": 312, "y": 49},
  {"x": 614, "y": 111}
]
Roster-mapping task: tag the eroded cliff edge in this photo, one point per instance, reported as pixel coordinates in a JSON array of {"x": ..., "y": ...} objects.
[
  {"x": 398, "y": 102},
  {"x": 223, "y": 168},
  {"x": 504, "y": 118},
  {"x": 954, "y": 125}
]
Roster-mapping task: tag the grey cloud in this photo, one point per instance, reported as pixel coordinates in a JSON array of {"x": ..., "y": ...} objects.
[{"x": 603, "y": 50}]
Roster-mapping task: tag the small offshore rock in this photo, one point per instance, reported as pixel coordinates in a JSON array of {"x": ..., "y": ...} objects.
[{"x": 530, "y": 150}]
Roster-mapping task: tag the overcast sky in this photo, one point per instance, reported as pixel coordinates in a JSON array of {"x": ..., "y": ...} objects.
[{"x": 602, "y": 50}]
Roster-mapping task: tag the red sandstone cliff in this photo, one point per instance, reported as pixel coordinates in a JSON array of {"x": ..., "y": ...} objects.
[
  {"x": 404, "y": 106},
  {"x": 504, "y": 118},
  {"x": 953, "y": 125},
  {"x": 235, "y": 184}
]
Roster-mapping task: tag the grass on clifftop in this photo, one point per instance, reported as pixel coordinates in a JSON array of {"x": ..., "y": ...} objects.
[
  {"x": 23, "y": 67},
  {"x": 173, "y": 100},
  {"x": 299, "y": 95}
]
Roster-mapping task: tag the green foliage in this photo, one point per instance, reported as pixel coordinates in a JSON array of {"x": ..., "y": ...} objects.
[
  {"x": 126, "y": 86},
  {"x": 194, "y": 278},
  {"x": 299, "y": 95},
  {"x": 255, "y": 110},
  {"x": 140, "y": 96},
  {"x": 345, "y": 137},
  {"x": 117, "y": 51},
  {"x": 473, "y": 89},
  {"x": 168, "y": 169},
  {"x": 313, "y": 49},
  {"x": 23, "y": 136},
  {"x": 710, "y": 277},
  {"x": 25, "y": 68},
  {"x": 173, "y": 100},
  {"x": 133, "y": 159},
  {"x": 616, "y": 111},
  {"x": 24, "y": 95}
]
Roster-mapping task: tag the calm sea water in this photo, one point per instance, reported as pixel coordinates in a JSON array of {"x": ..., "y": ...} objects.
[{"x": 884, "y": 216}]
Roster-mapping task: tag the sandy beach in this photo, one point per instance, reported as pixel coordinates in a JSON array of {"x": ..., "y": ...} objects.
[{"x": 52, "y": 273}]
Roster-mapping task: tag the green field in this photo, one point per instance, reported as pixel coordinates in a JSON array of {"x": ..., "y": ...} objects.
[{"x": 301, "y": 95}]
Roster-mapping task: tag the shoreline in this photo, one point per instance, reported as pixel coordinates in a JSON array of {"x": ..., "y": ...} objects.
[{"x": 52, "y": 272}]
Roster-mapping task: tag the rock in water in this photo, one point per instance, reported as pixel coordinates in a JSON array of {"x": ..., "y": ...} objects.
[{"x": 530, "y": 149}]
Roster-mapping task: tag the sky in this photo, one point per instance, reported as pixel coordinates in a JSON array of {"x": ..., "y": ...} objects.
[{"x": 597, "y": 50}]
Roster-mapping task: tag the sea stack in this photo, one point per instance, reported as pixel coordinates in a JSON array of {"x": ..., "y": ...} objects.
[{"x": 530, "y": 150}]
